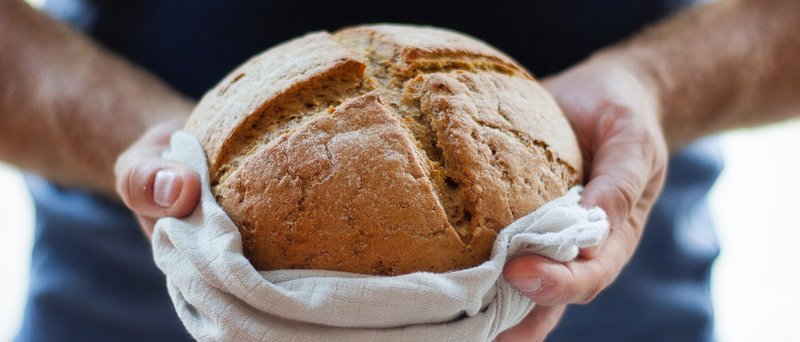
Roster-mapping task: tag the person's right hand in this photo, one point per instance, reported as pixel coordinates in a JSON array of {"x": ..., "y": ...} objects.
[{"x": 152, "y": 186}]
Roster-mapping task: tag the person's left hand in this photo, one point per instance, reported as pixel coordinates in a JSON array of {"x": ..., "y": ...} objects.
[
  {"x": 616, "y": 116},
  {"x": 152, "y": 186}
]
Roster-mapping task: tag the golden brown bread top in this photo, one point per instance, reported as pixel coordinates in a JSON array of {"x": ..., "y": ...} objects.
[{"x": 381, "y": 149}]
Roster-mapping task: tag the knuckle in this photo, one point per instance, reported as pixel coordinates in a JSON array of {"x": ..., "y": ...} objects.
[
  {"x": 567, "y": 289},
  {"x": 589, "y": 296},
  {"x": 121, "y": 169},
  {"x": 615, "y": 110},
  {"x": 136, "y": 188},
  {"x": 613, "y": 117},
  {"x": 561, "y": 292},
  {"x": 123, "y": 184},
  {"x": 564, "y": 289},
  {"x": 608, "y": 279},
  {"x": 598, "y": 277},
  {"x": 656, "y": 153},
  {"x": 625, "y": 195}
]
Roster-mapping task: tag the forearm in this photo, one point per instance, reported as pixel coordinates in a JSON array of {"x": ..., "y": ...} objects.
[
  {"x": 723, "y": 65},
  {"x": 67, "y": 107}
]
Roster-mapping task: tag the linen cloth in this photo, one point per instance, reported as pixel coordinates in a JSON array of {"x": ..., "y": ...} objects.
[{"x": 219, "y": 296}]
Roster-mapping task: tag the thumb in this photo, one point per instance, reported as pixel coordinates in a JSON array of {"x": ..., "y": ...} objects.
[{"x": 152, "y": 186}]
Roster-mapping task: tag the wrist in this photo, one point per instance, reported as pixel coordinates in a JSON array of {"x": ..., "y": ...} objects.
[{"x": 650, "y": 86}]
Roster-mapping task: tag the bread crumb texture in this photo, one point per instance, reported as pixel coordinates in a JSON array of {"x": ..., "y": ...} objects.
[{"x": 381, "y": 149}]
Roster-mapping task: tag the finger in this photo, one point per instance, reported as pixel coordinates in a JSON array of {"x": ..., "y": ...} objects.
[
  {"x": 535, "y": 326},
  {"x": 621, "y": 169},
  {"x": 153, "y": 186},
  {"x": 156, "y": 187},
  {"x": 551, "y": 283},
  {"x": 622, "y": 172}
]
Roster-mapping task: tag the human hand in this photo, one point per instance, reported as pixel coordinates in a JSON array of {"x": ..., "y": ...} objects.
[
  {"x": 154, "y": 187},
  {"x": 616, "y": 116}
]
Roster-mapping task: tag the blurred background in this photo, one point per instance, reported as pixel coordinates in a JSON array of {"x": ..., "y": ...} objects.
[
  {"x": 754, "y": 202},
  {"x": 755, "y": 278}
]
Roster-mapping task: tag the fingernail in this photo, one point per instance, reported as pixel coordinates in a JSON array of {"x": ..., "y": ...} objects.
[
  {"x": 167, "y": 187},
  {"x": 528, "y": 285}
]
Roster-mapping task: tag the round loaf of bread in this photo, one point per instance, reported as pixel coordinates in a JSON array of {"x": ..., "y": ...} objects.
[{"x": 381, "y": 149}]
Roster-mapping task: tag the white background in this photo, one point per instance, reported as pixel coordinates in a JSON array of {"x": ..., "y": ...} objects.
[{"x": 756, "y": 205}]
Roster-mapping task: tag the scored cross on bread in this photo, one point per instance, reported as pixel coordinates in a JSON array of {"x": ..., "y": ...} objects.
[{"x": 381, "y": 149}]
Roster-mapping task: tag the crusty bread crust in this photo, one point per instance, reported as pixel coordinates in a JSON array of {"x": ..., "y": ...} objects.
[{"x": 381, "y": 149}]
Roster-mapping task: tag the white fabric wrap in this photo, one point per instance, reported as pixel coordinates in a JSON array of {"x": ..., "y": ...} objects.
[{"x": 219, "y": 296}]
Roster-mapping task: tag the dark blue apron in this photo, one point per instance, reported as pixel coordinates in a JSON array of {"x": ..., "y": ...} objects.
[{"x": 92, "y": 274}]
